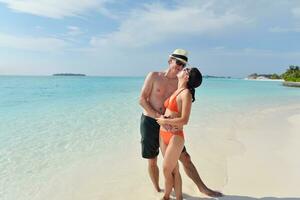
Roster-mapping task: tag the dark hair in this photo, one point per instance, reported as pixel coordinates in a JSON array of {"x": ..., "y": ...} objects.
[{"x": 195, "y": 80}]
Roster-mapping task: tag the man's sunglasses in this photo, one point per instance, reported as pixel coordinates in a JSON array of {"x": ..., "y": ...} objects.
[{"x": 179, "y": 63}]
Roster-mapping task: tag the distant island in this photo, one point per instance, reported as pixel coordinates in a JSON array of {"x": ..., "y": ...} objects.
[
  {"x": 256, "y": 76},
  {"x": 290, "y": 78},
  {"x": 208, "y": 76},
  {"x": 68, "y": 74}
]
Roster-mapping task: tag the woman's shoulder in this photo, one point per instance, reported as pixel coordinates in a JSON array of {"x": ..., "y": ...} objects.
[{"x": 186, "y": 93}]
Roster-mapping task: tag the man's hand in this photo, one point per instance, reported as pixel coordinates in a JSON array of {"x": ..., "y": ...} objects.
[{"x": 158, "y": 115}]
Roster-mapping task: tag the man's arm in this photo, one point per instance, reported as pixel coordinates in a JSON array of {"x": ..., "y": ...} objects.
[{"x": 145, "y": 94}]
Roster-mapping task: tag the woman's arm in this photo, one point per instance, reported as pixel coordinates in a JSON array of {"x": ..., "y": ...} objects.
[{"x": 186, "y": 99}]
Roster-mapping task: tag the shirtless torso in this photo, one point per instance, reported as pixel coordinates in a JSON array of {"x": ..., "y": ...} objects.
[{"x": 158, "y": 90}]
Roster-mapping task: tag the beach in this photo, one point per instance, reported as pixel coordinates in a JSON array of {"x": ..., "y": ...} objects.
[
  {"x": 78, "y": 138},
  {"x": 236, "y": 158},
  {"x": 269, "y": 166}
]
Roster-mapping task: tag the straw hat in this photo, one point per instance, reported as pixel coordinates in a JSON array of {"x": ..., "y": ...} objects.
[{"x": 180, "y": 54}]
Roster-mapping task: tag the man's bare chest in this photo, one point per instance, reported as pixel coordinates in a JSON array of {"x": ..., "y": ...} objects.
[{"x": 164, "y": 89}]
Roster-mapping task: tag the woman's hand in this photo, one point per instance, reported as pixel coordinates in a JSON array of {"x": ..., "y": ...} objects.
[
  {"x": 161, "y": 120},
  {"x": 167, "y": 127},
  {"x": 170, "y": 128}
]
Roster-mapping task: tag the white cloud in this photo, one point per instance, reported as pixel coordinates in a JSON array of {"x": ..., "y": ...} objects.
[
  {"x": 154, "y": 23},
  {"x": 296, "y": 12},
  {"x": 251, "y": 52},
  {"x": 54, "y": 8},
  {"x": 32, "y": 43}
]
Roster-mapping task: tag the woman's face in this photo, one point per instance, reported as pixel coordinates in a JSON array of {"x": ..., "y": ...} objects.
[{"x": 184, "y": 73}]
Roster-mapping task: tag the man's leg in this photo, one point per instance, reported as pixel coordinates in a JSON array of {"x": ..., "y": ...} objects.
[
  {"x": 150, "y": 147},
  {"x": 154, "y": 173},
  {"x": 192, "y": 172}
]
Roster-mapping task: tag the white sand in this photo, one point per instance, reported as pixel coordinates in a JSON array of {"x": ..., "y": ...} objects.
[
  {"x": 270, "y": 165},
  {"x": 245, "y": 155}
]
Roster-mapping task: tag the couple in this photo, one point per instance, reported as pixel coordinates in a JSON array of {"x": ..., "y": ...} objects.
[{"x": 166, "y": 98}]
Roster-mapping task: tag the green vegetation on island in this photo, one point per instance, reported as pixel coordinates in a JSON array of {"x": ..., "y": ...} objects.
[
  {"x": 291, "y": 77},
  {"x": 292, "y": 74}
]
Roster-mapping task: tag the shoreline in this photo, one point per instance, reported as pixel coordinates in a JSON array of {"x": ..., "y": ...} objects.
[{"x": 291, "y": 84}]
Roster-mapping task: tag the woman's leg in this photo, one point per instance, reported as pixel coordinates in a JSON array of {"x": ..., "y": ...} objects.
[
  {"x": 171, "y": 156},
  {"x": 177, "y": 182},
  {"x": 163, "y": 148}
]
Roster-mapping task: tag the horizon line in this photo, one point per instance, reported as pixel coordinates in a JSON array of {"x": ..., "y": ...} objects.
[{"x": 87, "y": 75}]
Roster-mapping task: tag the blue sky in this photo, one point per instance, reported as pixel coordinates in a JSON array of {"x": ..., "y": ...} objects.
[{"x": 130, "y": 38}]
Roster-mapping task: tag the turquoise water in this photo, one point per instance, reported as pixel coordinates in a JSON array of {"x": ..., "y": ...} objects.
[{"x": 49, "y": 123}]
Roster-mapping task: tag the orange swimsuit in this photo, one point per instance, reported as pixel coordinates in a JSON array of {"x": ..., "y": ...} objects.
[{"x": 171, "y": 105}]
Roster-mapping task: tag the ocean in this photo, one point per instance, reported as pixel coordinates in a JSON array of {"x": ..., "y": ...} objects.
[{"x": 51, "y": 124}]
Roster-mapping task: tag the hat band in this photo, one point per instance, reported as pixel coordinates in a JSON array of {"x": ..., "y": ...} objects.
[{"x": 180, "y": 56}]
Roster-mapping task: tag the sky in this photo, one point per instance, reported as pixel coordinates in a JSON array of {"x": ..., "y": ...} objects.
[{"x": 131, "y": 38}]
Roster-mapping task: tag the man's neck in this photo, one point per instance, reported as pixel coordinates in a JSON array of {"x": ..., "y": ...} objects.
[{"x": 170, "y": 75}]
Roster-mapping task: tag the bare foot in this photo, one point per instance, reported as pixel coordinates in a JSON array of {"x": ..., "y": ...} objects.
[
  {"x": 212, "y": 193},
  {"x": 157, "y": 189},
  {"x": 165, "y": 198},
  {"x": 179, "y": 198}
]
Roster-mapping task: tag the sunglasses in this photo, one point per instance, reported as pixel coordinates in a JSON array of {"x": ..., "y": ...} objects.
[
  {"x": 187, "y": 70},
  {"x": 179, "y": 63}
]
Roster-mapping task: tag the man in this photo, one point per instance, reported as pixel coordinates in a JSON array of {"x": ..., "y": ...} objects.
[{"x": 158, "y": 86}]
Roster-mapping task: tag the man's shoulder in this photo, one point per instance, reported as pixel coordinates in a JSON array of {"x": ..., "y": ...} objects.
[{"x": 155, "y": 74}]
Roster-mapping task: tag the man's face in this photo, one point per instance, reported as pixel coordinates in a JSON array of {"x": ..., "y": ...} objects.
[{"x": 177, "y": 65}]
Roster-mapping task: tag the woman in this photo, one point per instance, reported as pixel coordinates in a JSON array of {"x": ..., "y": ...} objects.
[{"x": 178, "y": 108}]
